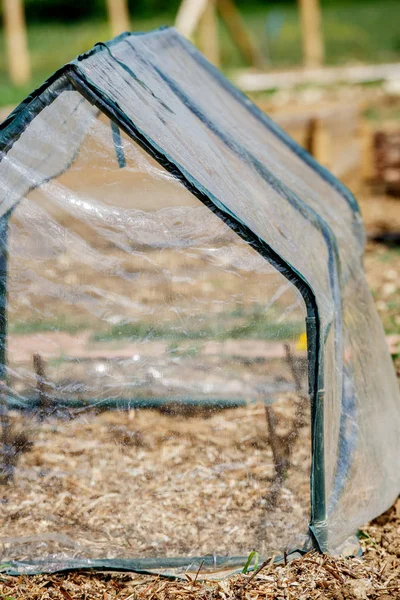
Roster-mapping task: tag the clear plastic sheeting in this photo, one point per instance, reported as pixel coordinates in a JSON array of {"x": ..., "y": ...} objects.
[
  {"x": 49, "y": 144},
  {"x": 166, "y": 249},
  {"x": 148, "y": 345}
]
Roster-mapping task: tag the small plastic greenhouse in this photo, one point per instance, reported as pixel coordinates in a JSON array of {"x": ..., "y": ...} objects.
[{"x": 192, "y": 367}]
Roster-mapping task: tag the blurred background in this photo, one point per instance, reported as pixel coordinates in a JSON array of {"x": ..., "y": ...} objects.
[{"x": 351, "y": 32}]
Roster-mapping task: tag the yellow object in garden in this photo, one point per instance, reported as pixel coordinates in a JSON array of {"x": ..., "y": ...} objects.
[{"x": 301, "y": 343}]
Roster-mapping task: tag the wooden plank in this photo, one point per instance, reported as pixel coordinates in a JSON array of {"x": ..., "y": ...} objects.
[
  {"x": 239, "y": 33},
  {"x": 313, "y": 45},
  {"x": 258, "y": 82},
  {"x": 118, "y": 14},
  {"x": 16, "y": 41}
]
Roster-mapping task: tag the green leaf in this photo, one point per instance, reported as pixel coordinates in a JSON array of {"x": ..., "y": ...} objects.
[{"x": 253, "y": 554}]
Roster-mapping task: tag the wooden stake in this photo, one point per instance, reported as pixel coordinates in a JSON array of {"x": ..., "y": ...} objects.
[
  {"x": 201, "y": 15},
  {"x": 366, "y": 141},
  {"x": 300, "y": 419},
  {"x": 45, "y": 402},
  {"x": 280, "y": 455},
  {"x": 12, "y": 441},
  {"x": 319, "y": 142},
  {"x": 208, "y": 34},
  {"x": 239, "y": 34},
  {"x": 189, "y": 15},
  {"x": 16, "y": 42},
  {"x": 282, "y": 445},
  {"x": 313, "y": 46},
  {"x": 118, "y": 13}
]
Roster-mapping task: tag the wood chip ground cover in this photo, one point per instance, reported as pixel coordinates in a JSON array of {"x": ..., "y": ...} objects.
[
  {"x": 374, "y": 576},
  {"x": 142, "y": 484}
]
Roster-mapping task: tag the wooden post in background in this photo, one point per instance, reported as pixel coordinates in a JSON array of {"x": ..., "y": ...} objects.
[
  {"x": 366, "y": 142},
  {"x": 201, "y": 17},
  {"x": 118, "y": 14},
  {"x": 189, "y": 15},
  {"x": 319, "y": 142},
  {"x": 313, "y": 45},
  {"x": 237, "y": 28},
  {"x": 208, "y": 33},
  {"x": 16, "y": 41}
]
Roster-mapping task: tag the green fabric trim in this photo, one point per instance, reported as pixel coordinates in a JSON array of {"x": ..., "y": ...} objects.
[{"x": 207, "y": 567}]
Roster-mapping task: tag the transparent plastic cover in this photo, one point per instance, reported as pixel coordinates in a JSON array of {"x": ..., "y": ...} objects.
[{"x": 155, "y": 396}]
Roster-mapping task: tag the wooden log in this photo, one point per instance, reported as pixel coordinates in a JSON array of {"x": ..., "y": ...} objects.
[
  {"x": 16, "y": 42},
  {"x": 118, "y": 14},
  {"x": 313, "y": 46}
]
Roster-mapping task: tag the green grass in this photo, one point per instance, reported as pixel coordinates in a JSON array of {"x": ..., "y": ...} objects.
[
  {"x": 389, "y": 255},
  {"x": 363, "y": 31},
  {"x": 382, "y": 113},
  {"x": 41, "y": 326},
  {"x": 391, "y": 326},
  {"x": 233, "y": 325},
  {"x": 256, "y": 326},
  {"x": 54, "y": 44}
]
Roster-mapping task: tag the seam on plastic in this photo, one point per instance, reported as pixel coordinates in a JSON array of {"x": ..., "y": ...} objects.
[
  {"x": 269, "y": 123},
  {"x": 118, "y": 147}
]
